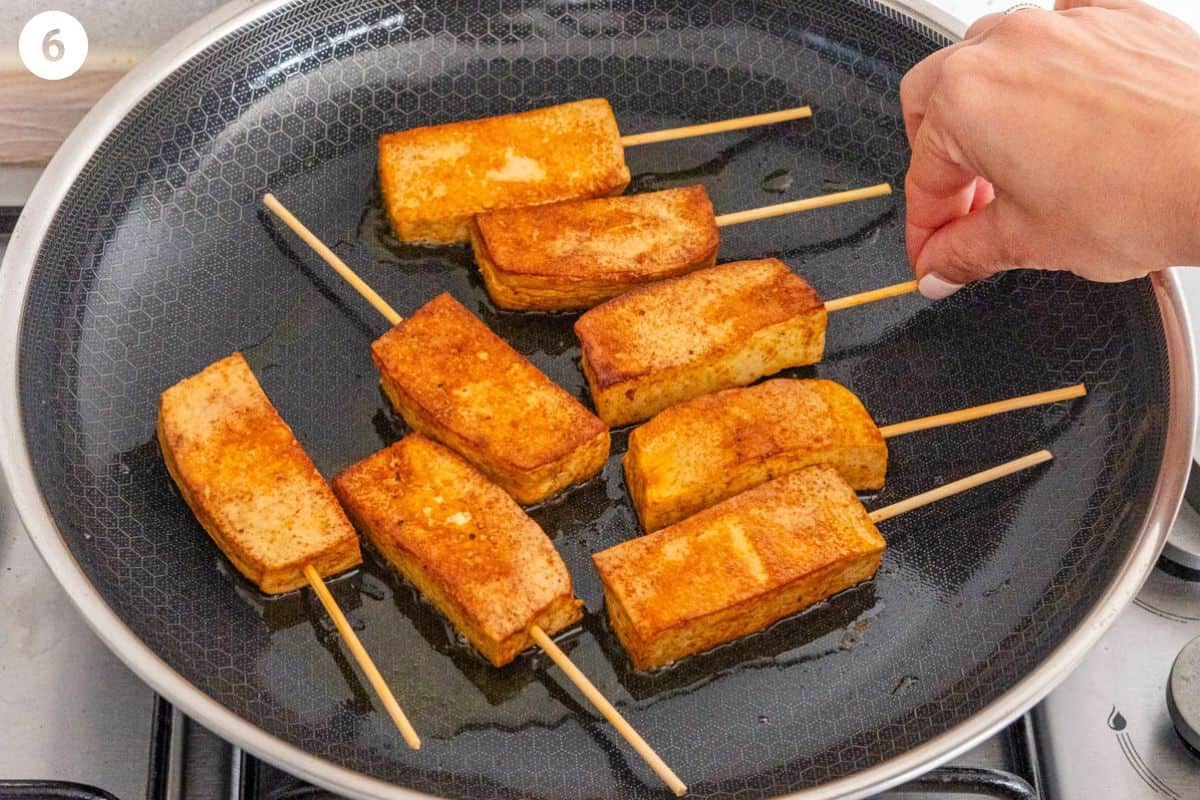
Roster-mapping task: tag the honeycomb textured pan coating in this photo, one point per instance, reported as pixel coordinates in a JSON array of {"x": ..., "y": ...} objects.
[{"x": 161, "y": 260}]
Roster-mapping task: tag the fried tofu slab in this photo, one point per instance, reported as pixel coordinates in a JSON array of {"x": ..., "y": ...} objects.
[
  {"x": 248, "y": 481},
  {"x": 435, "y": 179},
  {"x": 713, "y": 329},
  {"x": 735, "y": 568},
  {"x": 456, "y": 381},
  {"x": 463, "y": 542},
  {"x": 700, "y": 452},
  {"x": 578, "y": 253}
]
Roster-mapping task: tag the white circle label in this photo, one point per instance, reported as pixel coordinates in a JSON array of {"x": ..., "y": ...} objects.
[{"x": 53, "y": 45}]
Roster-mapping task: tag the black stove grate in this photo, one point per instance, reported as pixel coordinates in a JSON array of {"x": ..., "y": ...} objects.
[{"x": 188, "y": 762}]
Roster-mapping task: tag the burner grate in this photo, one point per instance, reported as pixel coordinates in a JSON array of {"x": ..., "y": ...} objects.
[{"x": 190, "y": 763}]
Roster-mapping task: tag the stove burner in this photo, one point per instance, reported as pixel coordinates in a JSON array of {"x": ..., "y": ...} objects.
[{"x": 1183, "y": 695}]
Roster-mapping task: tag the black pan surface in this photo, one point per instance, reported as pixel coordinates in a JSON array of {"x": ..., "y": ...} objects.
[{"x": 161, "y": 260}]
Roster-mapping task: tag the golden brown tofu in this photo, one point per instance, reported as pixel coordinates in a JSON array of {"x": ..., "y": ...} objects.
[
  {"x": 456, "y": 381},
  {"x": 705, "y": 450},
  {"x": 578, "y": 253},
  {"x": 462, "y": 542},
  {"x": 714, "y": 329},
  {"x": 435, "y": 179},
  {"x": 735, "y": 568},
  {"x": 248, "y": 481}
]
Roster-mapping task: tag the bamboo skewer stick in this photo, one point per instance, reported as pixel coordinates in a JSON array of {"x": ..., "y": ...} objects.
[
  {"x": 331, "y": 258},
  {"x": 362, "y": 657},
  {"x": 539, "y": 636},
  {"x": 862, "y": 298},
  {"x": 986, "y": 410},
  {"x": 737, "y": 123},
  {"x": 961, "y": 485},
  {"x": 609, "y": 712},
  {"x": 806, "y": 204},
  {"x": 390, "y": 314}
]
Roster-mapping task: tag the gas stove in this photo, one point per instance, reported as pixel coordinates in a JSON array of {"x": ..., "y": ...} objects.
[{"x": 1125, "y": 724}]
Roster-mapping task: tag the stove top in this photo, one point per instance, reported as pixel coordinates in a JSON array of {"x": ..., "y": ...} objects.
[
  {"x": 70, "y": 710},
  {"x": 1106, "y": 730}
]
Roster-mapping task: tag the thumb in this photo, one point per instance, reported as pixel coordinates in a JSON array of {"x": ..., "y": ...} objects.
[{"x": 967, "y": 249}]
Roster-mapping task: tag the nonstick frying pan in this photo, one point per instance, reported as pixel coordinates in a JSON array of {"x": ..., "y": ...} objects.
[{"x": 144, "y": 254}]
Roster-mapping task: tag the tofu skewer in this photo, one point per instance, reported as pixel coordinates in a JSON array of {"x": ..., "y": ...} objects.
[
  {"x": 733, "y": 569},
  {"x": 576, "y": 254},
  {"x": 258, "y": 495},
  {"x": 712, "y": 329},
  {"x": 481, "y": 560},
  {"x": 434, "y": 179},
  {"x": 456, "y": 381},
  {"x": 700, "y": 452}
]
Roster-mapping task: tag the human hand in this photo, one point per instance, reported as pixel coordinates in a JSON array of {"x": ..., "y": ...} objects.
[{"x": 1065, "y": 139}]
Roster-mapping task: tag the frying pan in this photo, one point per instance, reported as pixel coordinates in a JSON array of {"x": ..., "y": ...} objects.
[{"x": 144, "y": 255}]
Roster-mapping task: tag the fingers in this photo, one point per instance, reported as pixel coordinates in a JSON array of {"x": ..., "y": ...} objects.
[
  {"x": 956, "y": 230},
  {"x": 918, "y": 86},
  {"x": 969, "y": 248},
  {"x": 938, "y": 189},
  {"x": 985, "y": 193}
]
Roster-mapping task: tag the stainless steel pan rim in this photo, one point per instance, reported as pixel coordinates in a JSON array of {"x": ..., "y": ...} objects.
[{"x": 15, "y": 464}]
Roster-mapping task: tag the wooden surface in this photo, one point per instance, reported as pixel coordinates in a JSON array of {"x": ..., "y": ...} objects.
[{"x": 36, "y": 115}]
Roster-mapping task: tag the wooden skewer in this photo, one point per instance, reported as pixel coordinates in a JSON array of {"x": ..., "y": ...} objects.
[
  {"x": 331, "y": 258},
  {"x": 870, "y": 297},
  {"x": 806, "y": 204},
  {"x": 362, "y": 657},
  {"x": 539, "y": 636},
  {"x": 610, "y": 713},
  {"x": 390, "y": 314},
  {"x": 737, "y": 123},
  {"x": 961, "y": 485},
  {"x": 986, "y": 410}
]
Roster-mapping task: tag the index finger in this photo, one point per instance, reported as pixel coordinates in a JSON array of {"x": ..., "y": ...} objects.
[{"x": 937, "y": 189}]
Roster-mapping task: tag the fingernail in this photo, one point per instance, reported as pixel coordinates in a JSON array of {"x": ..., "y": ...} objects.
[{"x": 935, "y": 287}]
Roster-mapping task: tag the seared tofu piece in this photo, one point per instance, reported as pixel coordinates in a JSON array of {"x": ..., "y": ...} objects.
[
  {"x": 579, "y": 253},
  {"x": 434, "y": 179},
  {"x": 463, "y": 542},
  {"x": 735, "y": 568},
  {"x": 456, "y": 381},
  {"x": 714, "y": 329},
  {"x": 698, "y": 453},
  {"x": 248, "y": 481}
]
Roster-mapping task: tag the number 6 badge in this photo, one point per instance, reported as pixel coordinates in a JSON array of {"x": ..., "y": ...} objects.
[{"x": 53, "y": 45}]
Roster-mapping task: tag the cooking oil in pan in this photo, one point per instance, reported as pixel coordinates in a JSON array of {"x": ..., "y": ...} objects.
[{"x": 440, "y": 680}]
